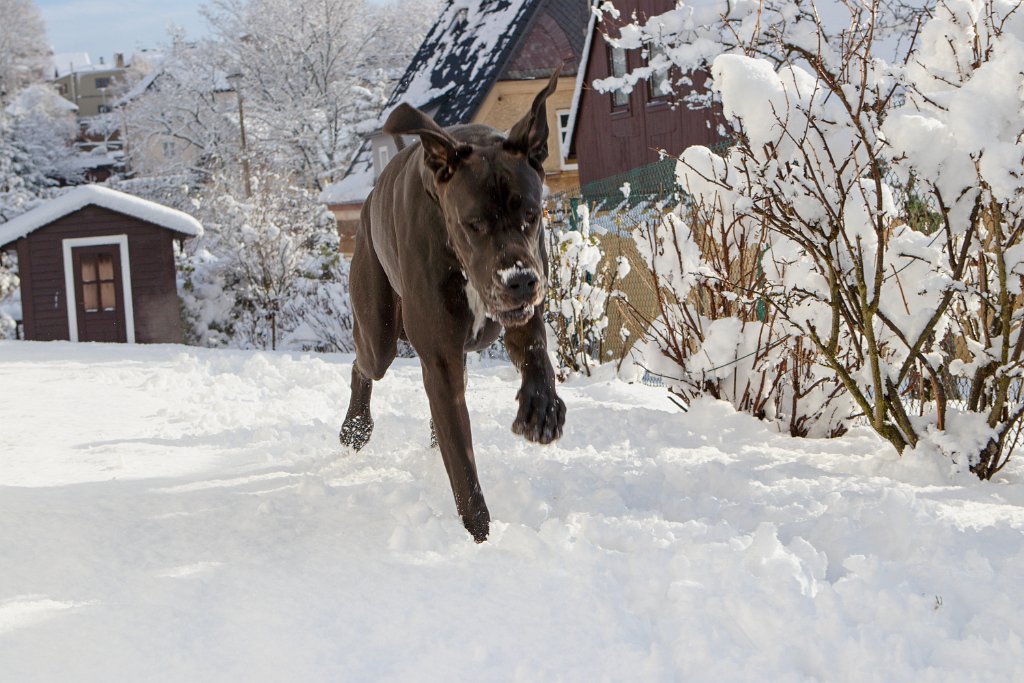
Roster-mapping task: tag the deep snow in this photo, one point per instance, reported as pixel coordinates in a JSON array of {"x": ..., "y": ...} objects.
[{"x": 171, "y": 513}]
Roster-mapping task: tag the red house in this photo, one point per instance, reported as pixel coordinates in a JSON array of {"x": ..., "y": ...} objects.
[{"x": 613, "y": 133}]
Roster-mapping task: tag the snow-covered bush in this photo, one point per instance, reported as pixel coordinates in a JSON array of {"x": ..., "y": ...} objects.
[
  {"x": 959, "y": 137},
  {"x": 579, "y": 283},
  {"x": 267, "y": 273},
  {"x": 713, "y": 332},
  {"x": 891, "y": 192}
]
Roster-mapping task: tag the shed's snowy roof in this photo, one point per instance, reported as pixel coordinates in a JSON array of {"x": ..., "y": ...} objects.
[
  {"x": 462, "y": 55},
  {"x": 85, "y": 195}
]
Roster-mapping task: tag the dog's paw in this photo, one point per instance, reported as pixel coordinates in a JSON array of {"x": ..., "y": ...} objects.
[
  {"x": 541, "y": 413},
  {"x": 478, "y": 524},
  {"x": 355, "y": 431}
]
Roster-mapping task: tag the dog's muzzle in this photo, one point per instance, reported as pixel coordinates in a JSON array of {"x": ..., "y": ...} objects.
[{"x": 520, "y": 291}]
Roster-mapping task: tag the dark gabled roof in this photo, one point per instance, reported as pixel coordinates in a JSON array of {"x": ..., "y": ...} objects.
[{"x": 462, "y": 56}]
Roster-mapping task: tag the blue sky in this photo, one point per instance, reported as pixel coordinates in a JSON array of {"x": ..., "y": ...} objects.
[{"x": 103, "y": 27}]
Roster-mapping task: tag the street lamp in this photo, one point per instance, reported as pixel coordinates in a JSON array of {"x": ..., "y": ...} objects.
[{"x": 235, "y": 79}]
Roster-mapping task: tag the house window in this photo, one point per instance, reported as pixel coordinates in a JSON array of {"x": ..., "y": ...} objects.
[
  {"x": 98, "y": 283},
  {"x": 617, "y": 56},
  {"x": 104, "y": 108},
  {"x": 102, "y": 83},
  {"x": 658, "y": 85},
  {"x": 384, "y": 156},
  {"x": 563, "y": 138},
  {"x": 170, "y": 149},
  {"x": 563, "y": 126}
]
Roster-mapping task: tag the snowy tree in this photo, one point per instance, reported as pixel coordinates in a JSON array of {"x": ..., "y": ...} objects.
[
  {"x": 23, "y": 46},
  {"x": 181, "y": 117},
  {"x": 267, "y": 272},
  {"x": 44, "y": 126},
  {"x": 312, "y": 72}
]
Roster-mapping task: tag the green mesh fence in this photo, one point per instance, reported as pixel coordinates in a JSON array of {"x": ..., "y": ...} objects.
[{"x": 616, "y": 206}]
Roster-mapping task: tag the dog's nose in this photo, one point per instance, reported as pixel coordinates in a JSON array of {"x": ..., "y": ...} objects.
[{"x": 522, "y": 285}]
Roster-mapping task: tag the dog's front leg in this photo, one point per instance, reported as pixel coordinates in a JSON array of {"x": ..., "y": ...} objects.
[
  {"x": 444, "y": 379},
  {"x": 541, "y": 413}
]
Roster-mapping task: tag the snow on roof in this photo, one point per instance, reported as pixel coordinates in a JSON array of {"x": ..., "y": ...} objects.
[
  {"x": 86, "y": 195},
  {"x": 356, "y": 184},
  {"x": 462, "y": 55},
  {"x": 68, "y": 62},
  {"x": 140, "y": 87},
  {"x": 454, "y": 68}
]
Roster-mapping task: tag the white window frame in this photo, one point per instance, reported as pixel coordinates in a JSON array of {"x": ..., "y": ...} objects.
[
  {"x": 383, "y": 156},
  {"x": 126, "y": 281},
  {"x": 563, "y": 143}
]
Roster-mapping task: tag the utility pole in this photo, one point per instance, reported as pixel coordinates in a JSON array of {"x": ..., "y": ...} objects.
[{"x": 235, "y": 79}]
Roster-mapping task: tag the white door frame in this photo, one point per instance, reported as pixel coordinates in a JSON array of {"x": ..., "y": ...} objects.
[{"x": 126, "y": 281}]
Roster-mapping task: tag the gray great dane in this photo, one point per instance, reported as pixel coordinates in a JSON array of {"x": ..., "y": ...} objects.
[{"x": 450, "y": 250}]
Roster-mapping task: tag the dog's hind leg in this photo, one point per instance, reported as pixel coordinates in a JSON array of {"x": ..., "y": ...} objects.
[
  {"x": 377, "y": 315},
  {"x": 358, "y": 424}
]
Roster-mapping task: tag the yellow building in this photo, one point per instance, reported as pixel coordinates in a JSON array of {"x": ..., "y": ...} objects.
[{"x": 91, "y": 87}]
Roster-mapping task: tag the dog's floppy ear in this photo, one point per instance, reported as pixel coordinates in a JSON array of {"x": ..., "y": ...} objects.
[
  {"x": 530, "y": 134},
  {"x": 440, "y": 150}
]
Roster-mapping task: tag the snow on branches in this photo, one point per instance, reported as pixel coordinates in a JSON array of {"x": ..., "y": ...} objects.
[{"x": 879, "y": 183}]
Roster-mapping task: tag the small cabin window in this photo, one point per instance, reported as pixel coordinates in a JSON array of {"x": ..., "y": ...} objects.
[{"x": 102, "y": 83}]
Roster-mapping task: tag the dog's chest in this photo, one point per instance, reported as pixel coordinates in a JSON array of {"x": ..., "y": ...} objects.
[{"x": 477, "y": 308}]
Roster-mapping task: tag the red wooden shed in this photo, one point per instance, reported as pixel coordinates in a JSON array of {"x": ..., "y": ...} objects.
[{"x": 98, "y": 265}]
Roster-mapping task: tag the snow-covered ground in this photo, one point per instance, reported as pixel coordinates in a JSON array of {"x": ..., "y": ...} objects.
[{"x": 171, "y": 513}]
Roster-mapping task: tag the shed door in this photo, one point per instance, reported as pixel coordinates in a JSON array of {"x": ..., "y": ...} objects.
[{"x": 99, "y": 295}]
